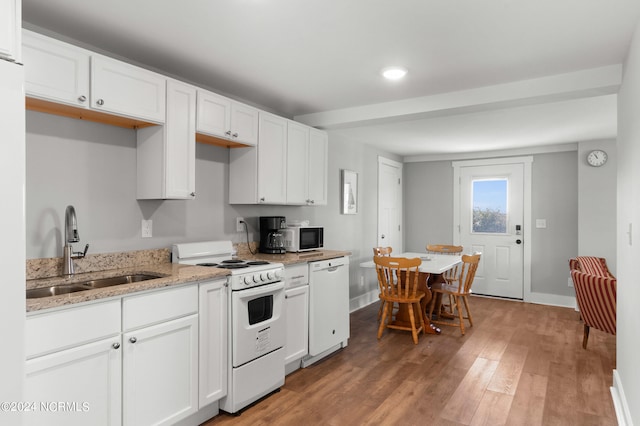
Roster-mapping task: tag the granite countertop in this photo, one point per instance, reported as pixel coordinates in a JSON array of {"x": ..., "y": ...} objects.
[{"x": 170, "y": 274}]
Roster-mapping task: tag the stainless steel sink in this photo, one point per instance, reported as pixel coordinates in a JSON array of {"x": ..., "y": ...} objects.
[
  {"x": 35, "y": 293},
  {"x": 88, "y": 285},
  {"x": 123, "y": 279}
]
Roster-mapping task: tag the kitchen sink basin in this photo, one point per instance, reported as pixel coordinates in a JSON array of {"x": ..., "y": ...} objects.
[
  {"x": 36, "y": 293},
  {"x": 123, "y": 279}
]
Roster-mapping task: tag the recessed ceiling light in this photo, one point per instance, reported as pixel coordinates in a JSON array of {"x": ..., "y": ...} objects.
[{"x": 394, "y": 73}]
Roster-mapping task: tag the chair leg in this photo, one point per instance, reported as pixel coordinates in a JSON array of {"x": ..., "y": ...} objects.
[
  {"x": 460, "y": 317},
  {"x": 466, "y": 307},
  {"x": 414, "y": 332},
  {"x": 385, "y": 312},
  {"x": 585, "y": 337},
  {"x": 382, "y": 303},
  {"x": 421, "y": 317}
]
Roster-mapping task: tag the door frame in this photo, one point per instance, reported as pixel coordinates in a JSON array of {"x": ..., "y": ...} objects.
[
  {"x": 398, "y": 165},
  {"x": 526, "y": 209}
]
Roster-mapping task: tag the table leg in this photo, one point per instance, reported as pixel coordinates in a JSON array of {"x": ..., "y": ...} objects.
[{"x": 424, "y": 279}]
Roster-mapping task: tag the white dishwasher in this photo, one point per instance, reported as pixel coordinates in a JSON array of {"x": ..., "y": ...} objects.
[{"x": 328, "y": 307}]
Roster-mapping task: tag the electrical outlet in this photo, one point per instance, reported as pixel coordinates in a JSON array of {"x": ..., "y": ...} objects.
[
  {"x": 570, "y": 282},
  {"x": 147, "y": 228},
  {"x": 239, "y": 224}
]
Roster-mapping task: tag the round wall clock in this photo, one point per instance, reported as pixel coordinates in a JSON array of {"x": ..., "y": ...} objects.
[{"x": 597, "y": 158}]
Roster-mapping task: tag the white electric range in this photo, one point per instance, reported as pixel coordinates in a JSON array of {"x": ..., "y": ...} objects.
[{"x": 256, "y": 320}]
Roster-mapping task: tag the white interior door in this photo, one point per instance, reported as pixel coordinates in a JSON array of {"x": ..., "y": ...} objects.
[
  {"x": 390, "y": 204},
  {"x": 491, "y": 220}
]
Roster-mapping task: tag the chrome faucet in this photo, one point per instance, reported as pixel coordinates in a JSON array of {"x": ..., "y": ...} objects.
[{"x": 71, "y": 236}]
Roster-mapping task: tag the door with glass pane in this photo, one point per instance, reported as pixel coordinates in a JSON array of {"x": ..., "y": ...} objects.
[{"x": 491, "y": 222}]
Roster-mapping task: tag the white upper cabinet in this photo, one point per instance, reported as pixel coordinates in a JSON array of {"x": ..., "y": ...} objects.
[
  {"x": 297, "y": 167},
  {"x": 62, "y": 73},
  {"x": 124, "y": 89},
  {"x": 258, "y": 175},
  {"x": 272, "y": 155},
  {"x": 166, "y": 154},
  {"x": 10, "y": 24},
  {"x": 318, "y": 166},
  {"x": 227, "y": 119},
  {"x": 306, "y": 165},
  {"x": 55, "y": 70}
]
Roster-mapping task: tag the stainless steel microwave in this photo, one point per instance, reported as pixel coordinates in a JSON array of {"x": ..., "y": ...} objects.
[{"x": 303, "y": 238}]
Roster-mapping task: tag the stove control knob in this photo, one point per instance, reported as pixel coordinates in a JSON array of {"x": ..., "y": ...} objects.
[
  {"x": 247, "y": 280},
  {"x": 263, "y": 276},
  {"x": 256, "y": 278},
  {"x": 270, "y": 275}
]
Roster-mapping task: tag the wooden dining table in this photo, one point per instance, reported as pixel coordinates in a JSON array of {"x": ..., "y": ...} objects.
[{"x": 431, "y": 270}]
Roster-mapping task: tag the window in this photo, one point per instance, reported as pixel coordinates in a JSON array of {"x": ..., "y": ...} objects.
[{"x": 489, "y": 206}]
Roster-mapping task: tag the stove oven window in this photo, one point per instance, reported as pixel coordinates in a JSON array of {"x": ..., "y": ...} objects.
[{"x": 260, "y": 309}]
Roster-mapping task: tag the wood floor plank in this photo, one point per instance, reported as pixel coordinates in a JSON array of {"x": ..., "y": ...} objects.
[
  {"x": 505, "y": 379},
  {"x": 520, "y": 364},
  {"x": 492, "y": 410},
  {"x": 527, "y": 407},
  {"x": 465, "y": 400}
]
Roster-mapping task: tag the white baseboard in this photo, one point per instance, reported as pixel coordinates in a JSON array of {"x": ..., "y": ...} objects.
[
  {"x": 620, "y": 402},
  {"x": 551, "y": 299}
]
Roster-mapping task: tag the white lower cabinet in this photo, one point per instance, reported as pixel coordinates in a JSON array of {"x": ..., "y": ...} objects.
[
  {"x": 160, "y": 358},
  {"x": 74, "y": 366},
  {"x": 296, "y": 305},
  {"x": 160, "y": 372},
  {"x": 297, "y": 314},
  {"x": 213, "y": 341},
  {"x": 132, "y": 361}
]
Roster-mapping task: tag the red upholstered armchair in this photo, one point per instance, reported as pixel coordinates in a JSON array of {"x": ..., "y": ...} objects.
[{"x": 596, "y": 294}]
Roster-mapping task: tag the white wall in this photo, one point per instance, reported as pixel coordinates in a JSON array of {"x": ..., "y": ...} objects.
[
  {"x": 597, "y": 203},
  {"x": 627, "y": 381}
]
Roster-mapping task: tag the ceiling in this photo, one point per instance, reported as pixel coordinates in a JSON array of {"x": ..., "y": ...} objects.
[{"x": 483, "y": 75}]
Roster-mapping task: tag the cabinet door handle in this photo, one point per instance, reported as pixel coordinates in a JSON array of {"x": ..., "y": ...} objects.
[
  {"x": 116, "y": 345},
  {"x": 228, "y": 133},
  {"x": 235, "y": 135},
  {"x": 133, "y": 340},
  {"x": 82, "y": 98},
  {"x": 100, "y": 102}
]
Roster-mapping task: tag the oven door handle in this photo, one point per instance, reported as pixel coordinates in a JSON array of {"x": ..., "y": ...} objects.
[{"x": 261, "y": 290}]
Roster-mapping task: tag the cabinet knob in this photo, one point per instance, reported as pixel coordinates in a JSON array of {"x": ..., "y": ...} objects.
[
  {"x": 235, "y": 135},
  {"x": 133, "y": 340},
  {"x": 100, "y": 102},
  {"x": 116, "y": 345},
  {"x": 262, "y": 200},
  {"x": 193, "y": 194},
  {"x": 312, "y": 201},
  {"x": 82, "y": 98},
  {"x": 228, "y": 133}
]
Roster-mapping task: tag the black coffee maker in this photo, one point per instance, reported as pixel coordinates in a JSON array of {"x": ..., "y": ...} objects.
[{"x": 271, "y": 238}]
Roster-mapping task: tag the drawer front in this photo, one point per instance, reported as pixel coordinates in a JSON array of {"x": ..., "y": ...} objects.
[
  {"x": 152, "y": 308},
  {"x": 49, "y": 332}
]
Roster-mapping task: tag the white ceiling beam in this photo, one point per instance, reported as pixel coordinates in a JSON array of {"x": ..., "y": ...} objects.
[{"x": 574, "y": 85}]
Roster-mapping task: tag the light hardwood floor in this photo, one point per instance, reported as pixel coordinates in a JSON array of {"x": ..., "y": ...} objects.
[{"x": 520, "y": 364}]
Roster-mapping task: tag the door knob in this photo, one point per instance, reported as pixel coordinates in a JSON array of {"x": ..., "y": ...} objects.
[
  {"x": 382, "y": 236},
  {"x": 518, "y": 241}
]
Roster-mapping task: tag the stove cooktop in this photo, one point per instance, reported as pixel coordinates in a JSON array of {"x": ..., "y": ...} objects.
[{"x": 234, "y": 264}]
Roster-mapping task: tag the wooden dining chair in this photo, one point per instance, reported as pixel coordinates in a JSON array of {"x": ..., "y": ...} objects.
[
  {"x": 398, "y": 281},
  {"x": 381, "y": 251},
  {"x": 452, "y": 275},
  {"x": 459, "y": 291}
]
